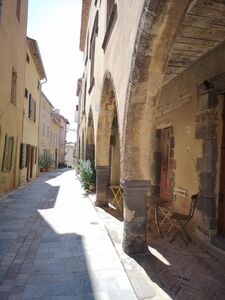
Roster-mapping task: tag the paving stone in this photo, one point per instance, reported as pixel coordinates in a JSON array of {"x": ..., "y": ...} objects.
[{"x": 52, "y": 253}]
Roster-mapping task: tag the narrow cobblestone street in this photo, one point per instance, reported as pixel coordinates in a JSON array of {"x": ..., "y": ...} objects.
[{"x": 53, "y": 245}]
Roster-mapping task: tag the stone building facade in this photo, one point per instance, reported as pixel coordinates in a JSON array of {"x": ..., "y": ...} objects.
[
  {"x": 52, "y": 132},
  {"x": 13, "y": 26},
  {"x": 152, "y": 107},
  {"x": 35, "y": 74}
]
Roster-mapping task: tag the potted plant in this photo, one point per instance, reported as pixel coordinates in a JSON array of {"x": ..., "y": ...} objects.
[
  {"x": 87, "y": 175},
  {"x": 44, "y": 162}
]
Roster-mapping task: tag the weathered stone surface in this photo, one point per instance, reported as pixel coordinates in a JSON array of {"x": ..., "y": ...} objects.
[
  {"x": 102, "y": 180},
  {"x": 134, "y": 240}
]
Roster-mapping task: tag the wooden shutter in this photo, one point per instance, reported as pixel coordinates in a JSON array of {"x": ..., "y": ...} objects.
[
  {"x": 12, "y": 153},
  {"x": 30, "y": 107},
  {"x": 5, "y": 154},
  {"x": 34, "y": 111},
  {"x": 22, "y": 155}
]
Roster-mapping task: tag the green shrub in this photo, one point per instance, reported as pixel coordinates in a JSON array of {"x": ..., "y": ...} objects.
[
  {"x": 87, "y": 173},
  {"x": 44, "y": 161}
]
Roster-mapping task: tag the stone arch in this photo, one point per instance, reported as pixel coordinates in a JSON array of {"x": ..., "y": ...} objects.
[
  {"x": 107, "y": 135},
  {"x": 90, "y": 138},
  {"x": 155, "y": 37}
]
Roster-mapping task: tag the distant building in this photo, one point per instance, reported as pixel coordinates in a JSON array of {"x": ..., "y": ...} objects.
[
  {"x": 29, "y": 147},
  {"x": 13, "y": 27},
  {"x": 63, "y": 131},
  {"x": 69, "y": 155},
  {"x": 52, "y": 133}
]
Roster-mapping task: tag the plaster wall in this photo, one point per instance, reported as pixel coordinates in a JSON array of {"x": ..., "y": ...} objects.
[
  {"x": 179, "y": 106},
  {"x": 121, "y": 42},
  {"x": 31, "y": 128},
  {"x": 12, "y": 56}
]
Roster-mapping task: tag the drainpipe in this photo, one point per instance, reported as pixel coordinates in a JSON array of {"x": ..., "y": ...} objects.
[{"x": 39, "y": 118}]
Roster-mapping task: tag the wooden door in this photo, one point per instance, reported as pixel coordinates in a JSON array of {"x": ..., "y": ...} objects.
[
  {"x": 221, "y": 204},
  {"x": 31, "y": 162},
  {"x": 56, "y": 158},
  {"x": 28, "y": 161},
  {"x": 164, "y": 189}
]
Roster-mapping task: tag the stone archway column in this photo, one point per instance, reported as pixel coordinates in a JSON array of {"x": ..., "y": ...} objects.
[
  {"x": 102, "y": 180},
  {"x": 134, "y": 236}
]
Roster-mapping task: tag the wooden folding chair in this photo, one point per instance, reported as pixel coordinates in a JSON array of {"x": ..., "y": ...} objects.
[
  {"x": 167, "y": 210},
  {"x": 182, "y": 220}
]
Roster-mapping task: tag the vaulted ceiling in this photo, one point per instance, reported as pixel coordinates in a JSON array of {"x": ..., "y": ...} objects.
[{"x": 202, "y": 29}]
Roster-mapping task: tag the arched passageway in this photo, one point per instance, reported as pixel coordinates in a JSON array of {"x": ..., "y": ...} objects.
[
  {"x": 90, "y": 139},
  {"x": 155, "y": 37},
  {"x": 108, "y": 143}
]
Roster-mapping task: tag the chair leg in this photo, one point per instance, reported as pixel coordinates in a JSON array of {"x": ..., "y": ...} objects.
[{"x": 185, "y": 231}]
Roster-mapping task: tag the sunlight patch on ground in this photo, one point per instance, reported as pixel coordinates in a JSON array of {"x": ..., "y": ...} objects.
[{"x": 158, "y": 255}]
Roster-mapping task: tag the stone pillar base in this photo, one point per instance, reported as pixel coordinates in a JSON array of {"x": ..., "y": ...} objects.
[
  {"x": 134, "y": 236},
  {"x": 102, "y": 180}
]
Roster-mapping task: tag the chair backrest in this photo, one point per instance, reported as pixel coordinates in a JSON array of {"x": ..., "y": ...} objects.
[
  {"x": 178, "y": 193},
  {"x": 194, "y": 199}
]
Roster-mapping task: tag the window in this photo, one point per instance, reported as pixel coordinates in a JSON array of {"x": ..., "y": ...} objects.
[
  {"x": 1, "y": 4},
  {"x": 13, "y": 87},
  {"x": 38, "y": 85},
  {"x": 87, "y": 49},
  {"x": 22, "y": 155},
  {"x": 18, "y": 6},
  {"x": 26, "y": 93},
  {"x": 111, "y": 16},
  {"x": 32, "y": 109},
  {"x": 7, "y": 161},
  {"x": 110, "y": 4},
  {"x": 84, "y": 98},
  {"x": 43, "y": 129},
  {"x": 92, "y": 51},
  {"x": 28, "y": 58},
  {"x": 48, "y": 132}
]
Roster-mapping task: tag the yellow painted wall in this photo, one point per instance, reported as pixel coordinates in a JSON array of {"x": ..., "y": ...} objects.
[
  {"x": 50, "y": 137},
  {"x": 30, "y": 128},
  {"x": 12, "y": 55},
  {"x": 171, "y": 112},
  {"x": 121, "y": 42}
]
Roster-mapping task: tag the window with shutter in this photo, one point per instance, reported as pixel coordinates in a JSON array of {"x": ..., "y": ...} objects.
[
  {"x": 5, "y": 154},
  {"x": 22, "y": 155},
  {"x": 13, "y": 87},
  {"x": 7, "y": 162}
]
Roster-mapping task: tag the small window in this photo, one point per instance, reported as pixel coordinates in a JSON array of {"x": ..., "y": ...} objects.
[
  {"x": 32, "y": 109},
  {"x": 28, "y": 59},
  {"x": 13, "y": 87},
  {"x": 43, "y": 129},
  {"x": 111, "y": 16},
  {"x": 1, "y": 4},
  {"x": 110, "y": 4},
  {"x": 7, "y": 161},
  {"x": 48, "y": 132},
  {"x": 22, "y": 155},
  {"x": 18, "y": 7},
  {"x": 92, "y": 52},
  {"x": 38, "y": 85},
  {"x": 26, "y": 93}
]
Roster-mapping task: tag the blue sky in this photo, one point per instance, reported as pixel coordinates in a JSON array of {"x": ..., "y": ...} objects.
[{"x": 55, "y": 24}]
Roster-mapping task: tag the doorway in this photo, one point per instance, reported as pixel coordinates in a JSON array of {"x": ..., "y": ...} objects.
[{"x": 164, "y": 177}]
